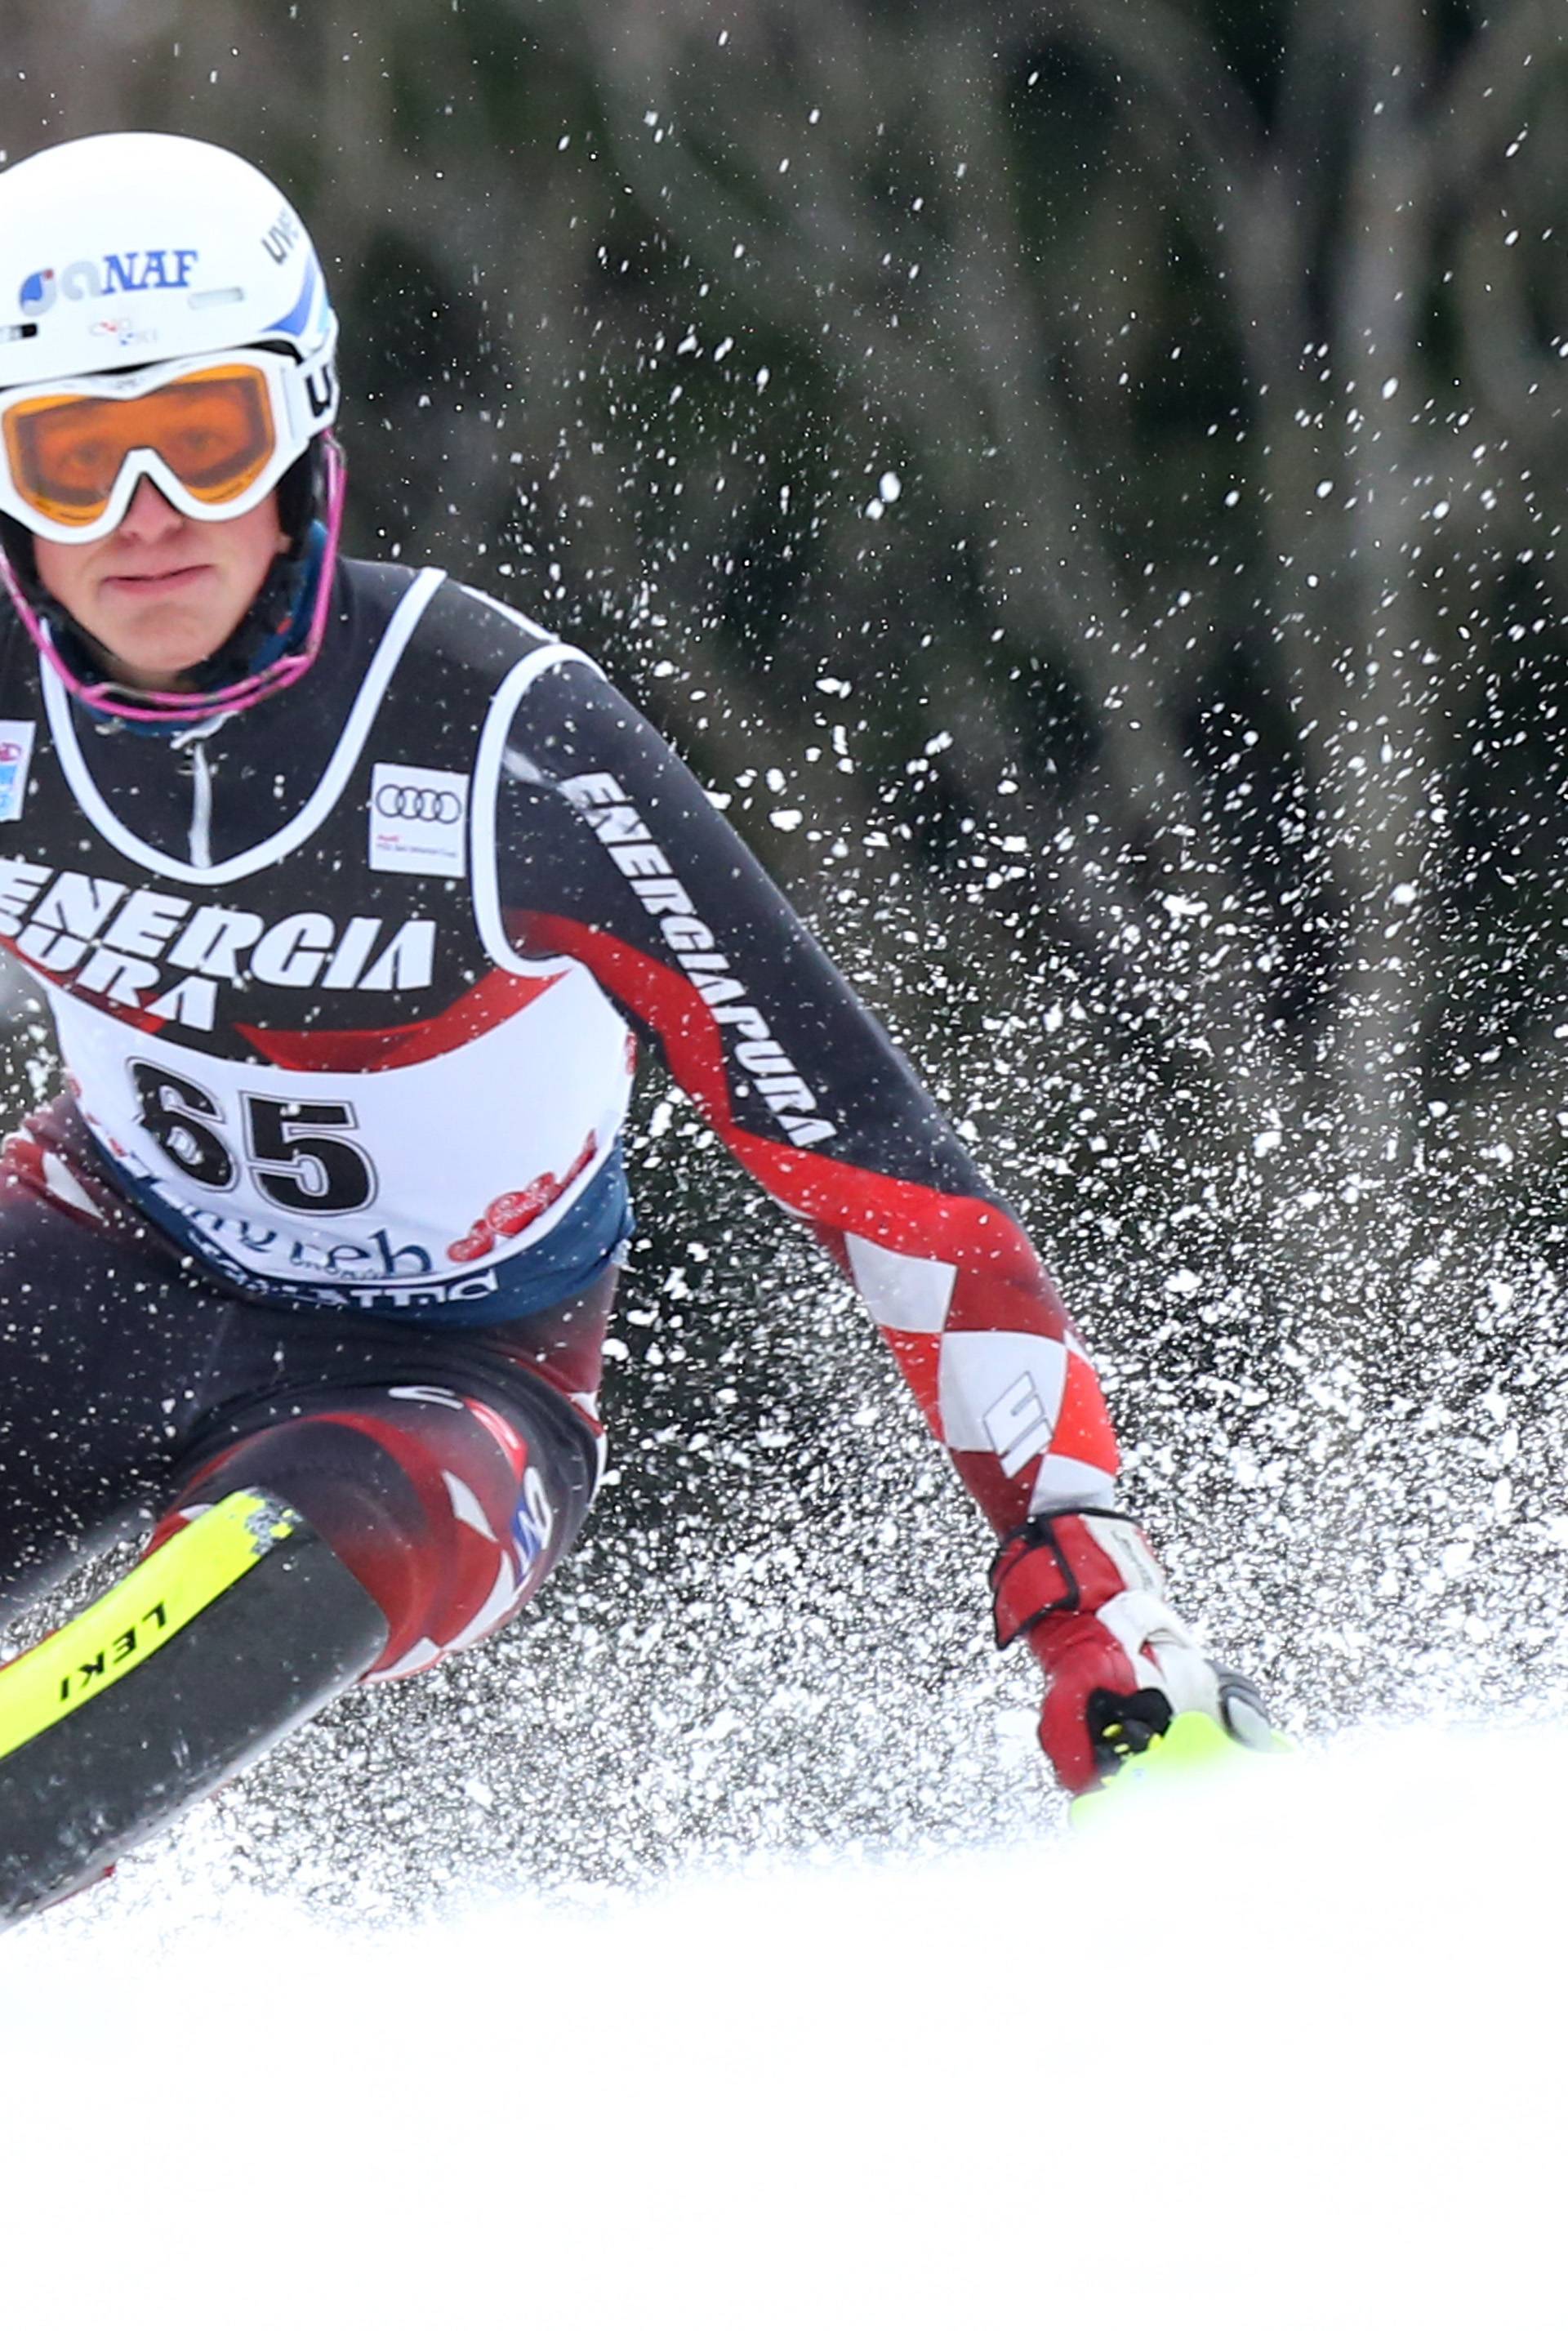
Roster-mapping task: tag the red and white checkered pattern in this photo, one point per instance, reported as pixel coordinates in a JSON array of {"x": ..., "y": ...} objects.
[
  {"x": 1005, "y": 1382},
  {"x": 962, "y": 1299}
]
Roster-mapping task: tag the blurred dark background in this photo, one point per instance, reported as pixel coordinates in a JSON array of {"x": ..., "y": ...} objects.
[
  {"x": 1084, "y": 484},
  {"x": 1097, "y": 461}
]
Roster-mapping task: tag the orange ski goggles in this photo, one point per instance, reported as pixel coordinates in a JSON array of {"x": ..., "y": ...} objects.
[{"x": 214, "y": 434}]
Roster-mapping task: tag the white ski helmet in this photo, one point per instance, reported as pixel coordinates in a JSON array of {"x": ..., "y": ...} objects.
[
  {"x": 137, "y": 251},
  {"x": 136, "y": 248}
]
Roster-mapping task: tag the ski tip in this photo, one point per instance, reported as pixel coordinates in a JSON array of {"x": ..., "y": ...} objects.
[{"x": 1193, "y": 1750}]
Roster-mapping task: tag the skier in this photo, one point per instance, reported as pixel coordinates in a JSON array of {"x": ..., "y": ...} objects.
[{"x": 352, "y": 893}]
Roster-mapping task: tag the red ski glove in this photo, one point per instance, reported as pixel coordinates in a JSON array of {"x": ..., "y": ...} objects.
[{"x": 1087, "y": 1592}]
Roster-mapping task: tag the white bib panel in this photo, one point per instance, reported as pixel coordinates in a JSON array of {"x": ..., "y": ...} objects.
[{"x": 415, "y": 1181}]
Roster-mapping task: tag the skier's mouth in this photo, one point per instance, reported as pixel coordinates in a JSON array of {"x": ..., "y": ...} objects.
[{"x": 147, "y": 586}]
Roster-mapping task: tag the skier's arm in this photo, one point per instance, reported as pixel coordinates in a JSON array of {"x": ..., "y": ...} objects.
[{"x": 657, "y": 894}]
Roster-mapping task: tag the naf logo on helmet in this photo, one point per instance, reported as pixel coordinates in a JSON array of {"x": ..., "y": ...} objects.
[{"x": 118, "y": 272}]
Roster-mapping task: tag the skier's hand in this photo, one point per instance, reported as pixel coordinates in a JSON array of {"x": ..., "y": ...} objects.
[{"x": 1087, "y": 1593}]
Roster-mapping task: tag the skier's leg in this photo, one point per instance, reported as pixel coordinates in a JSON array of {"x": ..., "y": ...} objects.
[
  {"x": 101, "y": 1349},
  {"x": 397, "y": 1519},
  {"x": 449, "y": 1509},
  {"x": 351, "y": 1533}
]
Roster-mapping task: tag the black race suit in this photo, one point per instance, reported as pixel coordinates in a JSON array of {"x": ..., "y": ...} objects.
[{"x": 348, "y": 988}]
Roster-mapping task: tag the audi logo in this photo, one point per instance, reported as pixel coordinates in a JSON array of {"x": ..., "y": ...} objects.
[{"x": 425, "y": 803}]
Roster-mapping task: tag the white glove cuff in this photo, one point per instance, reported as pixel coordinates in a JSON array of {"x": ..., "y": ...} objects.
[{"x": 1162, "y": 1653}]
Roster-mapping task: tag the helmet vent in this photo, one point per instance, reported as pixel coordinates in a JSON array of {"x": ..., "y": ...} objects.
[{"x": 224, "y": 298}]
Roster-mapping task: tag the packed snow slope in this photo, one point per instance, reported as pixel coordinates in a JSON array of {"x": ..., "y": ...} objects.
[{"x": 1288, "y": 2050}]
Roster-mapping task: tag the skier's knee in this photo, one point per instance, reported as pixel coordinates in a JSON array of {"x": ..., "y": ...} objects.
[{"x": 431, "y": 1502}]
